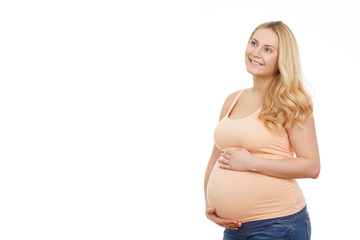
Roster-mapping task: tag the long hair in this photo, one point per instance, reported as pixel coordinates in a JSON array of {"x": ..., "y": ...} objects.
[{"x": 286, "y": 102}]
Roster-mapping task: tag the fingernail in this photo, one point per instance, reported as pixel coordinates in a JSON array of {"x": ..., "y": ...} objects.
[{"x": 239, "y": 224}]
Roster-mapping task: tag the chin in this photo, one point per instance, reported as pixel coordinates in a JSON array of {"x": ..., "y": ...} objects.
[{"x": 254, "y": 72}]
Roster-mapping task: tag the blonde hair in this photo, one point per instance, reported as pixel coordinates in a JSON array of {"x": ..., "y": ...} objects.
[{"x": 286, "y": 102}]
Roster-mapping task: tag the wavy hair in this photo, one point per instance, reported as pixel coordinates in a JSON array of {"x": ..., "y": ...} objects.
[{"x": 286, "y": 102}]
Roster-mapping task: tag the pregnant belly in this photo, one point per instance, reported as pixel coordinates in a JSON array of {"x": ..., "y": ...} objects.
[{"x": 249, "y": 196}]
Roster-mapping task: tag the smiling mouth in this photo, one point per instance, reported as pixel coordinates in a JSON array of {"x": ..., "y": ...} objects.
[{"x": 255, "y": 62}]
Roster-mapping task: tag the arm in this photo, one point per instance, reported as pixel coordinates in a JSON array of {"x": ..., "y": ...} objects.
[{"x": 305, "y": 165}]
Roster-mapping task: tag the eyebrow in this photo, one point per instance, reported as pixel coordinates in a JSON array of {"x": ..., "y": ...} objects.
[{"x": 268, "y": 45}]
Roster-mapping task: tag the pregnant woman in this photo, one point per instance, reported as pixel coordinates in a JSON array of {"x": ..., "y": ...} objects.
[{"x": 265, "y": 139}]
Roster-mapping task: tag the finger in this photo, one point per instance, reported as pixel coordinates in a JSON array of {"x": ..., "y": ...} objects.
[
  {"x": 224, "y": 166},
  {"x": 210, "y": 210},
  {"x": 223, "y": 221},
  {"x": 228, "y": 151},
  {"x": 231, "y": 151},
  {"x": 227, "y": 222},
  {"x": 221, "y": 155},
  {"x": 213, "y": 217},
  {"x": 223, "y": 161},
  {"x": 232, "y": 225},
  {"x": 226, "y": 156}
]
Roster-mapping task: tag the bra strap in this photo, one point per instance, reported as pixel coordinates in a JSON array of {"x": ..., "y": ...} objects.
[{"x": 234, "y": 102}]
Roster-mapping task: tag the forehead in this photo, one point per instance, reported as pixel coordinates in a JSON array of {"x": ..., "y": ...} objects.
[{"x": 267, "y": 37}]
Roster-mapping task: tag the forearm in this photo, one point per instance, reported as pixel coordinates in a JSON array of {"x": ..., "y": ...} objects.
[{"x": 299, "y": 167}]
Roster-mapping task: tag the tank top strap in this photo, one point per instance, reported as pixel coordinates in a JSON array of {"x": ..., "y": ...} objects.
[{"x": 234, "y": 102}]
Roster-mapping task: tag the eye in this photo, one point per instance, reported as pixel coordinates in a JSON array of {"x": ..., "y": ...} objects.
[
  {"x": 253, "y": 43},
  {"x": 268, "y": 50}
]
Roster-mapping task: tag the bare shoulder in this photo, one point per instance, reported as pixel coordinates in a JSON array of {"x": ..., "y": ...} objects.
[{"x": 227, "y": 104}]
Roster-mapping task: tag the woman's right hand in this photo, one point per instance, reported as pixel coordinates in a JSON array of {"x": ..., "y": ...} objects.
[{"x": 212, "y": 216}]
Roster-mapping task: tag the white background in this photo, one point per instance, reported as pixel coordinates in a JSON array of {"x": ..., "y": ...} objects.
[{"x": 107, "y": 112}]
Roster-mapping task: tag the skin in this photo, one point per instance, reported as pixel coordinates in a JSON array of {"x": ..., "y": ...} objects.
[{"x": 261, "y": 57}]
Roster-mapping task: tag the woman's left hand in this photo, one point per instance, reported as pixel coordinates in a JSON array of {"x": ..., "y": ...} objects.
[{"x": 236, "y": 159}]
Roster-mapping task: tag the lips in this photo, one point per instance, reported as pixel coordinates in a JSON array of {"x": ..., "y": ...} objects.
[{"x": 255, "y": 62}]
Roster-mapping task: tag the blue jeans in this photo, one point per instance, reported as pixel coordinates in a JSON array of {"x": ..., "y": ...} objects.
[{"x": 293, "y": 227}]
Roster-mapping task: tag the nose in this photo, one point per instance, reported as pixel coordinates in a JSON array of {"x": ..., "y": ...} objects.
[{"x": 256, "y": 52}]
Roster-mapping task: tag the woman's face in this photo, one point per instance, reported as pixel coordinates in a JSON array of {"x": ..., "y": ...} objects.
[{"x": 261, "y": 56}]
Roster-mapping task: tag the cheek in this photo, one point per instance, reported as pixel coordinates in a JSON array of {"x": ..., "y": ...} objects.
[
  {"x": 272, "y": 61},
  {"x": 247, "y": 51}
]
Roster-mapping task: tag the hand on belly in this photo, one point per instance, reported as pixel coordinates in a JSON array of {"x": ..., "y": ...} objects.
[{"x": 245, "y": 195}]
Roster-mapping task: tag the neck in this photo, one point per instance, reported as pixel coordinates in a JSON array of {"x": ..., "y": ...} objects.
[{"x": 261, "y": 85}]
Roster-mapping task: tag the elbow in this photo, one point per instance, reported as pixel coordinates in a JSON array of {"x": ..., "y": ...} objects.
[
  {"x": 315, "y": 175},
  {"x": 315, "y": 171}
]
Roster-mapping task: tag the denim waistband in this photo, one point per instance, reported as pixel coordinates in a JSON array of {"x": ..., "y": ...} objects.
[{"x": 267, "y": 222}]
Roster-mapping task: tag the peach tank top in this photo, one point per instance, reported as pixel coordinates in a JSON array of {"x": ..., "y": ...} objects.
[{"x": 250, "y": 196}]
